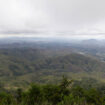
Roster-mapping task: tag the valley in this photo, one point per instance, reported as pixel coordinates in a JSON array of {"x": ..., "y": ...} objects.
[{"x": 23, "y": 63}]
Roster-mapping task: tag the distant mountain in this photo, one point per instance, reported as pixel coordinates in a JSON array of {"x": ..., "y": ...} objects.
[{"x": 93, "y": 42}]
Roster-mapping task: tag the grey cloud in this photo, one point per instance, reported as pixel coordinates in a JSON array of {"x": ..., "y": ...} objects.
[{"x": 73, "y": 16}]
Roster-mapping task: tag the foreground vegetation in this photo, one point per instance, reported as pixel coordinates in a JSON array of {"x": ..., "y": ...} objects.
[{"x": 65, "y": 93}]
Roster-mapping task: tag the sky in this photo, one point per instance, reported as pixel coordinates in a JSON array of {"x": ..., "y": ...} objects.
[{"x": 52, "y": 18}]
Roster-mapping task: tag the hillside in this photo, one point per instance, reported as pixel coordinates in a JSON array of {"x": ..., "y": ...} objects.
[
  {"x": 74, "y": 63},
  {"x": 23, "y": 66},
  {"x": 20, "y": 62}
]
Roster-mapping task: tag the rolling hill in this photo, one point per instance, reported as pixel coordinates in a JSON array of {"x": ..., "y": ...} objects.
[{"x": 23, "y": 66}]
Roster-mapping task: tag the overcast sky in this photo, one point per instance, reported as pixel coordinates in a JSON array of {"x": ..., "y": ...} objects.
[{"x": 60, "y": 17}]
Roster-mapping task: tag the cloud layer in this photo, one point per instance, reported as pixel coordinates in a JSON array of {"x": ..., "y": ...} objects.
[{"x": 36, "y": 16}]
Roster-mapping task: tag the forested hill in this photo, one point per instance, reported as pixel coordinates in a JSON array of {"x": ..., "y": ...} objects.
[
  {"x": 19, "y": 66},
  {"x": 74, "y": 63},
  {"x": 20, "y": 62}
]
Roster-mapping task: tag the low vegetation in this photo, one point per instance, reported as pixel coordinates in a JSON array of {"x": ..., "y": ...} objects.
[{"x": 64, "y": 93}]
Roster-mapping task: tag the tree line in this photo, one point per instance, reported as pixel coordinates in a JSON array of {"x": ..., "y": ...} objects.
[{"x": 63, "y": 93}]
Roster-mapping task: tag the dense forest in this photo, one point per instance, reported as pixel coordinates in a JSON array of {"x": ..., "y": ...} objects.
[
  {"x": 63, "y": 93},
  {"x": 21, "y": 66}
]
